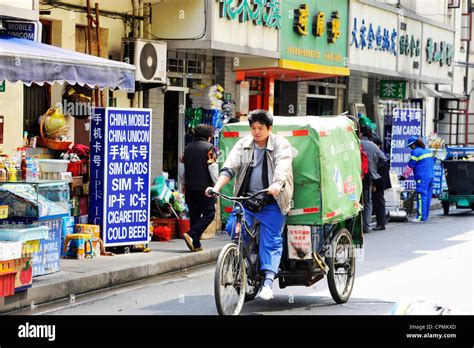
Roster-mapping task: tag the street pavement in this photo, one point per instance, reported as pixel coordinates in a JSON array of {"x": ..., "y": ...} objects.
[{"x": 431, "y": 261}]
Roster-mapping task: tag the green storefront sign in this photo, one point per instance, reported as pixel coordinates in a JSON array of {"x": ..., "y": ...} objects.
[
  {"x": 2, "y": 86},
  {"x": 393, "y": 89},
  {"x": 261, "y": 12},
  {"x": 314, "y": 32}
]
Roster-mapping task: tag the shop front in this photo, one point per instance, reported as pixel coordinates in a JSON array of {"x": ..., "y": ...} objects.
[
  {"x": 309, "y": 76},
  {"x": 397, "y": 60},
  {"x": 206, "y": 41},
  {"x": 35, "y": 191}
]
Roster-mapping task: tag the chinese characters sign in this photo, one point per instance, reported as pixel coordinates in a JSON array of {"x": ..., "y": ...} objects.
[
  {"x": 393, "y": 89},
  {"x": 373, "y": 37},
  {"x": 260, "y": 12},
  {"x": 439, "y": 52},
  {"x": 96, "y": 207},
  {"x": 405, "y": 123},
  {"x": 125, "y": 163},
  {"x": 301, "y": 23},
  {"x": 299, "y": 242},
  {"x": 315, "y": 32}
]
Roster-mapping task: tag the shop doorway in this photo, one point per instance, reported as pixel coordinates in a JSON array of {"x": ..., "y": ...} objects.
[
  {"x": 173, "y": 129},
  {"x": 319, "y": 106}
]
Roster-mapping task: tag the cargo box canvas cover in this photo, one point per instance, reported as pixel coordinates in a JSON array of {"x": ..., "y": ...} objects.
[{"x": 326, "y": 166}]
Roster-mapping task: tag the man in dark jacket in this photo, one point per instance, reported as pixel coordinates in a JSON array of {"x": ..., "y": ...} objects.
[
  {"x": 197, "y": 157},
  {"x": 378, "y": 188},
  {"x": 376, "y": 160}
]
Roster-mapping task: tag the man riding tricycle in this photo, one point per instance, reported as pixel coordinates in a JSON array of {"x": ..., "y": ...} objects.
[{"x": 295, "y": 211}]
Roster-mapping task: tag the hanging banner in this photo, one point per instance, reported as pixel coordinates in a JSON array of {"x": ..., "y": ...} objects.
[
  {"x": 124, "y": 159},
  {"x": 405, "y": 123}
]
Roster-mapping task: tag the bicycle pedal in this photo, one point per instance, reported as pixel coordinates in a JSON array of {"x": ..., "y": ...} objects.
[{"x": 320, "y": 262}]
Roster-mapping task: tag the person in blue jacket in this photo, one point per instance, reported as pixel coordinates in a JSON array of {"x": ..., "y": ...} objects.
[{"x": 422, "y": 164}]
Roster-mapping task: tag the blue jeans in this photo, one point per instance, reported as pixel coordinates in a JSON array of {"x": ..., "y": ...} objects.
[{"x": 271, "y": 222}]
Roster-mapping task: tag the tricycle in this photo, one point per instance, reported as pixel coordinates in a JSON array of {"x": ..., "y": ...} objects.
[
  {"x": 459, "y": 172},
  {"x": 323, "y": 228}
]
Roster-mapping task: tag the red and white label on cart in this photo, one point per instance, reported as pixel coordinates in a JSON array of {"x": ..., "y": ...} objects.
[{"x": 299, "y": 242}]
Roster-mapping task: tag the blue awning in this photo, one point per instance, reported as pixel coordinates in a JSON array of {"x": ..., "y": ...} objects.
[{"x": 33, "y": 62}]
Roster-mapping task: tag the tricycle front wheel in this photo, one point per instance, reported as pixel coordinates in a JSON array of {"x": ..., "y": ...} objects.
[
  {"x": 230, "y": 281},
  {"x": 341, "y": 262}
]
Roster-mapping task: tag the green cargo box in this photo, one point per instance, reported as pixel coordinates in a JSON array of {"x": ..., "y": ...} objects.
[{"x": 326, "y": 167}]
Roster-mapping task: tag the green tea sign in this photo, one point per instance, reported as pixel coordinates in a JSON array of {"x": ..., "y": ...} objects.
[
  {"x": 2, "y": 86},
  {"x": 393, "y": 89}
]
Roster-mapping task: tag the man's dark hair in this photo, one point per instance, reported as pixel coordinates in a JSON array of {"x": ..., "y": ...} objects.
[
  {"x": 260, "y": 116},
  {"x": 203, "y": 131},
  {"x": 377, "y": 141},
  {"x": 420, "y": 143},
  {"x": 366, "y": 131}
]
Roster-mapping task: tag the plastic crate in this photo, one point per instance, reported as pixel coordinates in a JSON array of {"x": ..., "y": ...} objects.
[
  {"x": 166, "y": 222},
  {"x": 10, "y": 250},
  {"x": 75, "y": 168},
  {"x": 20, "y": 233},
  {"x": 161, "y": 233},
  {"x": 7, "y": 284},
  {"x": 7, "y": 266}
]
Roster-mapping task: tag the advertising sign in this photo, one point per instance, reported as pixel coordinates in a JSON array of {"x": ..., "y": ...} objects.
[
  {"x": 405, "y": 123},
  {"x": 47, "y": 259},
  {"x": 393, "y": 89},
  {"x": 315, "y": 32},
  {"x": 124, "y": 160},
  {"x": 24, "y": 30}
]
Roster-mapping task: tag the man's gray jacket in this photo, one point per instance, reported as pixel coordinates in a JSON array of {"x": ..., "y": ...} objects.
[
  {"x": 377, "y": 158},
  {"x": 279, "y": 164}
]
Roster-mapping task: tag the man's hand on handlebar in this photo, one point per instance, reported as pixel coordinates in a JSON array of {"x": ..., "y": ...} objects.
[
  {"x": 274, "y": 189},
  {"x": 210, "y": 192}
]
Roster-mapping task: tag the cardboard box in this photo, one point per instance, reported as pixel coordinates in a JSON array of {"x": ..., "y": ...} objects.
[
  {"x": 94, "y": 230},
  {"x": 214, "y": 226},
  {"x": 24, "y": 273},
  {"x": 84, "y": 205},
  {"x": 210, "y": 231}
]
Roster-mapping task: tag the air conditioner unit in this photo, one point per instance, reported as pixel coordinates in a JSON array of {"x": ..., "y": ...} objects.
[{"x": 149, "y": 58}]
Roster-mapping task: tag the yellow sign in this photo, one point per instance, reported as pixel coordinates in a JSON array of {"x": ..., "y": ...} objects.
[
  {"x": 300, "y": 25},
  {"x": 319, "y": 24},
  {"x": 3, "y": 211},
  {"x": 334, "y": 27}
]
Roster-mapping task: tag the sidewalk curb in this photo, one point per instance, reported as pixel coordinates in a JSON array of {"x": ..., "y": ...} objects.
[{"x": 62, "y": 289}]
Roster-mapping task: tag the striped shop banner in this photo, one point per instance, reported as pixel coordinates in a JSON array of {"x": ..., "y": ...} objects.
[
  {"x": 294, "y": 133},
  {"x": 303, "y": 211},
  {"x": 235, "y": 134}
]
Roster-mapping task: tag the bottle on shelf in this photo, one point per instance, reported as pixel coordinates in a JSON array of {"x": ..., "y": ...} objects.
[
  {"x": 36, "y": 168},
  {"x": 23, "y": 164},
  {"x": 3, "y": 172},
  {"x": 29, "y": 170},
  {"x": 12, "y": 171}
]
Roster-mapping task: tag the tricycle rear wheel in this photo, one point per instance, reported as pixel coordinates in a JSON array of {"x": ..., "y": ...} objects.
[
  {"x": 445, "y": 207},
  {"x": 341, "y": 263}
]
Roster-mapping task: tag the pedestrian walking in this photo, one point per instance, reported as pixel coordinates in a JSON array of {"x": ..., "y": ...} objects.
[
  {"x": 198, "y": 156},
  {"x": 378, "y": 188},
  {"x": 260, "y": 161},
  {"x": 376, "y": 160},
  {"x": 421, "y": 163}
]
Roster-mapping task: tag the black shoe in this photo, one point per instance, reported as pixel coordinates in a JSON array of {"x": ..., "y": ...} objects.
[{"x": 379, "y": 228}]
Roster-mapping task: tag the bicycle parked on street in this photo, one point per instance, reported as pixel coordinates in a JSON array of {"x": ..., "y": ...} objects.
[{"x": 238, "y": 278}]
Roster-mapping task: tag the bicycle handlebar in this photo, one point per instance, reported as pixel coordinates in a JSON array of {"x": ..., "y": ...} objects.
[{"x": 236, "y": 199}]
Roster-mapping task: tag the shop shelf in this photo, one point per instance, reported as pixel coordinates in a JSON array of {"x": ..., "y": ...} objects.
[
  {"x": 20, "y": 233},
  {"x": 10, "y": 250}
]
